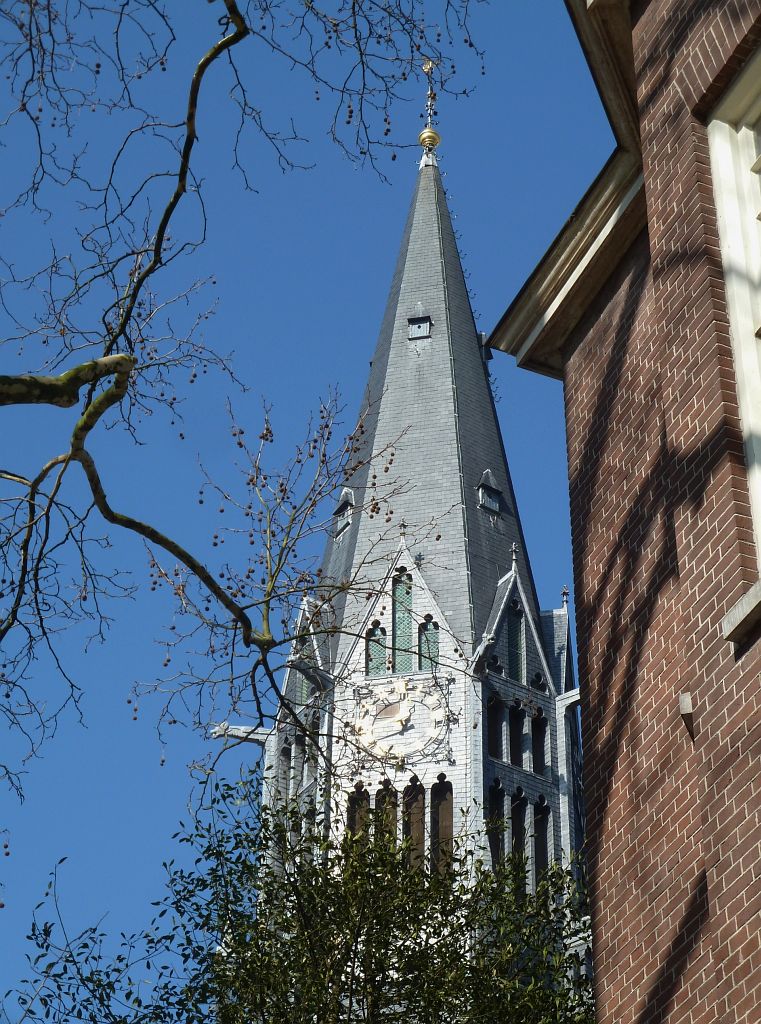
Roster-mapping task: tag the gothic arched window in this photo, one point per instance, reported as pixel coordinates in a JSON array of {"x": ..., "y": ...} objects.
[
  {"x": 495, "y": 723},
  {"x": 401, "y": 607},
  {"x": 516, "y": 718},
  {"x": 539, "y": 743},
  {"x": 518, "y": 805},
  {"x": 516, "y": 643},
  {"x": 386, "y": 801},
  {"x": 298, "y": 760},
  {"x": 313, "y": 746},
  {"x": 427, "y": 644},
  {"x": 442, "y": 824},
  {"x": 375, "y": 650},
  {"x": 541, "y": 838},
  {"x": 358, "y": 810},
  {"x": 413, "y": 821},
  {"x": 284, "y": 773},
  {"x": 496, "y": 823}
]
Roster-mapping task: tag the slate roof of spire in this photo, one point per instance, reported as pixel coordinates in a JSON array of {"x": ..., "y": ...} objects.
[{"x": 430, "y": 399}]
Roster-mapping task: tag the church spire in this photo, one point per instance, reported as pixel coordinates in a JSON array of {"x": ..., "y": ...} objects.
[
  {"x": 429, "y": 399},
  {"x": 435, "y": 639}
]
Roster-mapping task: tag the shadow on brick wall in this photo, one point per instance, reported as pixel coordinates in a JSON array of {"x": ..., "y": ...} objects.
[
  {"x": 660, "y": 996},
  {"x": 618, "y": 607}
]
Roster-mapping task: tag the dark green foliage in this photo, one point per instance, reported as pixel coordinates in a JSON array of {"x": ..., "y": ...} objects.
[{"x": 276, "y": 924}]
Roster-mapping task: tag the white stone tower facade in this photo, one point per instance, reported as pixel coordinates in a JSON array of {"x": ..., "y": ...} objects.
[{"x": 444, "y": 698}]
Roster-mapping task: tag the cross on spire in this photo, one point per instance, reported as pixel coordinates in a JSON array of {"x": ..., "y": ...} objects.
[
  {"x": 428, "y": 67},
  {"x": 429, "y": 138}
]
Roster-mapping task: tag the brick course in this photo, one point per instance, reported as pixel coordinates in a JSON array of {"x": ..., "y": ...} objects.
[{"x": 663, "y": 547}]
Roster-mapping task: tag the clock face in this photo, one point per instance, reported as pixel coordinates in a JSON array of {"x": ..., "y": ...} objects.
[{"x": 402, "y": 719}]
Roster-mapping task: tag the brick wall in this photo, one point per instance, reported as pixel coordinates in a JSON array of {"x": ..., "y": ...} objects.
[{"x": 663, "y": 548}]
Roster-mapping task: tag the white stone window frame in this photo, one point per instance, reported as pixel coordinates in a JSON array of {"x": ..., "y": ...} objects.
[{"x": 734, "y": 139}]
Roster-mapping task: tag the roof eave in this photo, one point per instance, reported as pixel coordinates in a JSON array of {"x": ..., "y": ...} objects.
[{"x": 538, "y": 322}]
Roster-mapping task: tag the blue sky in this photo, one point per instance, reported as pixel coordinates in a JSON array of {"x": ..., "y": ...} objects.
[{"x": 302, "y": 269}]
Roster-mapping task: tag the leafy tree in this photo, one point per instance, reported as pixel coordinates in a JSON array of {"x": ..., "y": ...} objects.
[
  {"x": 105, "y": 317},
  {"x": 277, "y": 923}
]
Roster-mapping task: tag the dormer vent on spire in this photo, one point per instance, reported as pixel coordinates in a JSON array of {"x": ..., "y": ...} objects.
[
  {"x": 489, "y": 494},
  {"x": 419, "y": 324},
  {"x": 342, "y": 514}
]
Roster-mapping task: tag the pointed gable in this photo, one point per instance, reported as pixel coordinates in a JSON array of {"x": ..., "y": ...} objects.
[
  {"x": 404, "y": 629},
  {"x": 513, "y": 646}
]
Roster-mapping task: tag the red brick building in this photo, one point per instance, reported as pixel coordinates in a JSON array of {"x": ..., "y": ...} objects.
[{"x": 648, "y": 305}]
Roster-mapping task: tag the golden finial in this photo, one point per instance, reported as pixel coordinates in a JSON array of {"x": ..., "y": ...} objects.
[{"x": 429, "y": 138}]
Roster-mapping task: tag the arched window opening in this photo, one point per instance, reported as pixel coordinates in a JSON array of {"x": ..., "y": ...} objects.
[
  {"x": 427, "y": 644},
  {"x": 442, "y": 825},
  {"x": 539, "y": 743},
  {"x": 358, "y": 815},
  {"x": 297, "y": 765},
  {"x": 309, "y": 835},
  {"x": 495, "y": 826},
  {"x": 516, "y": 643},
  {"x": 312, "y": 751},
  {"x": 541, "y": 837},
  {"x": 516, "y": 719},
  {"x": 401, "y": 608},
  {"x": 375, "y": 650},
  {"x": 386, "y": 801},
  {"x": 495, "y": 727},
  {"x": 518, "y": 804},
  {"x": 284, "y": 774},
  {"x": 413, "y": 822}
]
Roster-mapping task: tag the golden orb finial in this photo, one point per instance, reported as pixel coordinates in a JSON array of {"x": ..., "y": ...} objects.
[{"x": 429, "y": 139}]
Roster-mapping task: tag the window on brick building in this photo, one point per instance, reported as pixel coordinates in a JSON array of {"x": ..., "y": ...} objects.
[{"x": 734, "y": 136}]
